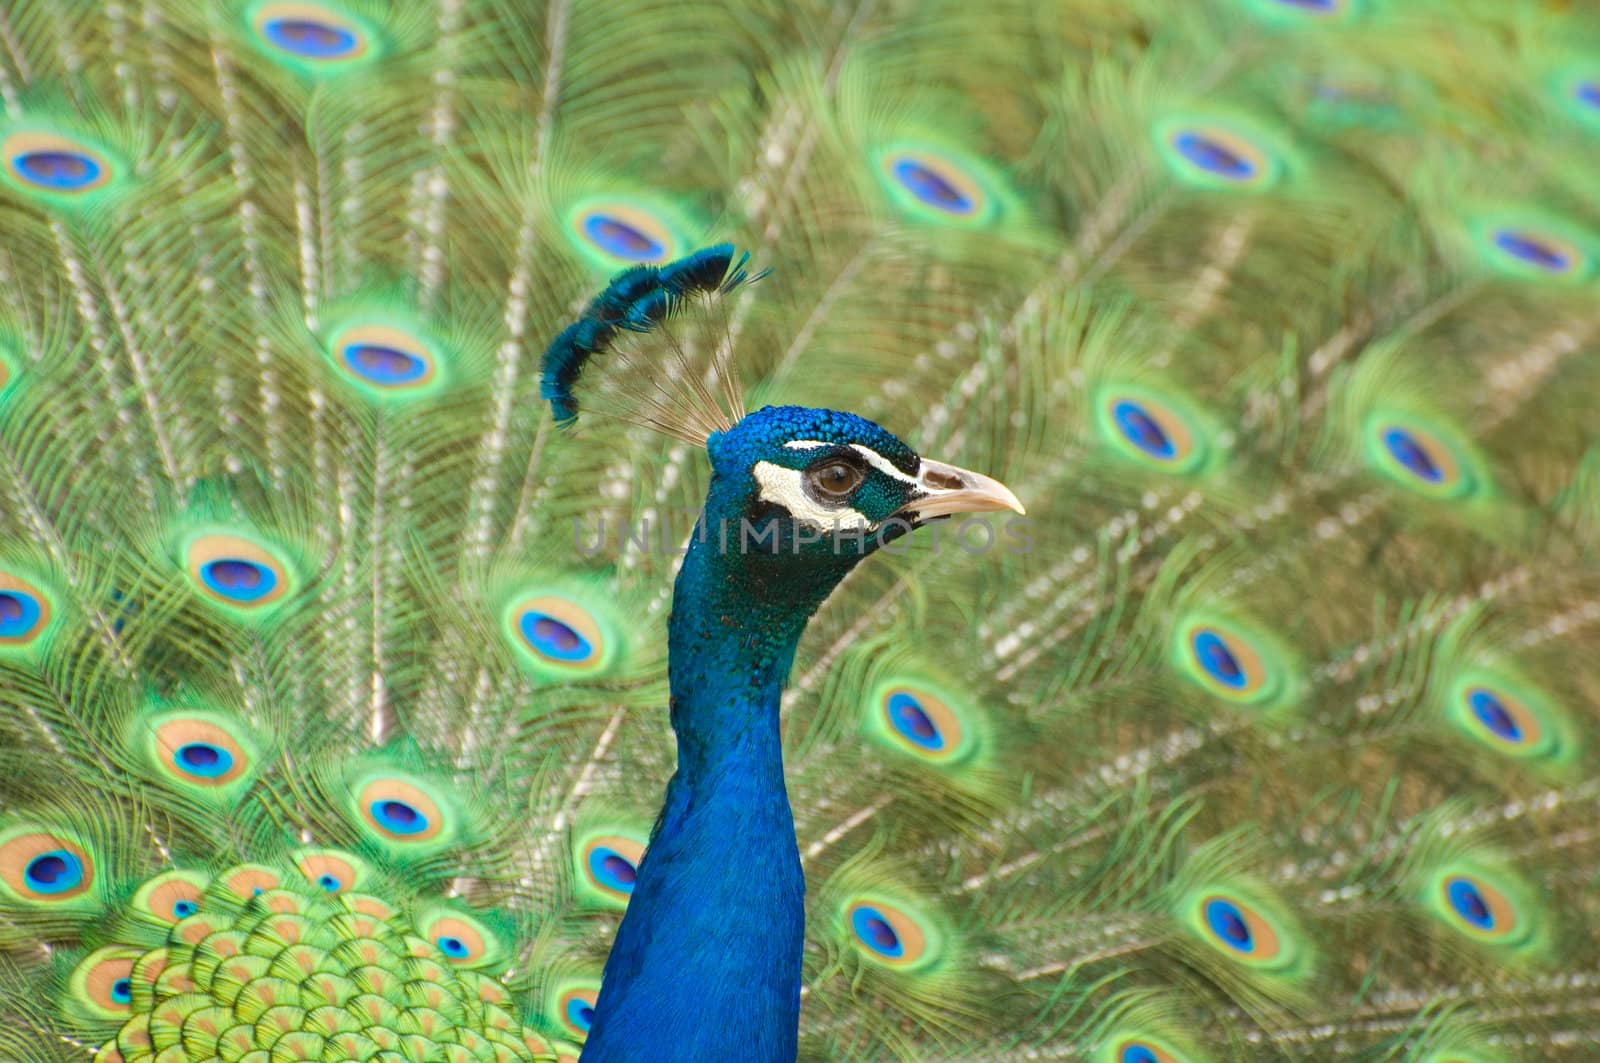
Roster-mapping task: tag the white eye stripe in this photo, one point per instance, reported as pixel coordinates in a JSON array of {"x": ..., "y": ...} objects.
[
  {"x": 782, "y": 487},
  {"x": 882, "y": 464},
  {"x": 876, "y": 460}
]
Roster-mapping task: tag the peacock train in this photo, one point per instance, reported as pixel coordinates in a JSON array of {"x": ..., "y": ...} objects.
[{"x": 1257, "y": 341}]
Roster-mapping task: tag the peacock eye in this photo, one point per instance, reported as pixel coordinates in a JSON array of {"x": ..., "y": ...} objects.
[{"x": 835, "y": 480}]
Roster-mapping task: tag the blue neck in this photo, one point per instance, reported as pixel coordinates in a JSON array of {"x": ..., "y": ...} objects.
[{"x": 706, "y": 964}]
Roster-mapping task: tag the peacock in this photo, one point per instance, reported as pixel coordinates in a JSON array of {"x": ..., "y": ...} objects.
[{"x": 441, "y": 446}]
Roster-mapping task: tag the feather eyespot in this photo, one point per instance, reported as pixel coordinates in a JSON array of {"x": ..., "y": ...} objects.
[
  {"x": 1144, "y": 431},
  {"x": 237, "y": 573},
  {"x": 1242, "y": 930},
  {"x": 936, "y": 190},
  {"x": 575, "y": 1008},
  {"x": 391, "y": 361},
  {"x": 1541, "y": 252},
  {"x": 24, "y": 612},
  {"x": 1418, "y": 457},
  {"x": 609, "y": 863},
  {"x": 401, "y": 810},
  {"x": 461, "y": 939},
  {"x": 1502, "y": 716},
  {"x": 44, "y": 867},
  {"x": 1535, "y": 248},
  {"x": 1219, "y": 660},
  {"x": 1210, "y": 155},
  {"x": 1477, "y": 907},
  {"x": 888, "y": 933},
  {"x": 1232, "y": 663},
  {"x": 1510, "y": 719},
  {"x": 313, "y": 36},
  {"x": 557, "y": 636},
  {"x": 102, "y": 982},
  {"x": 935, "y": 185},
  {"x": 1151, "y": 430},
  {"x": 1142, "y": 1050},
  {"x": 619, "y": 232},
  {"x": 55, "y": 165},
  {"x": 938, "y": 184},
  {"x": 917, "y": 721},
  {"x": 330, "y": 869},
  {"x": 171, "y": 897},
  {"x": 206, "y": 750}
]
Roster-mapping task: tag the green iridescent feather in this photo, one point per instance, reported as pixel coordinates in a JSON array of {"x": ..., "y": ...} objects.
[{"x": 1278, "y": 316}]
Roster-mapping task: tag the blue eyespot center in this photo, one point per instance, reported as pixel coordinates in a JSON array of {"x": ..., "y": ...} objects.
[
  {"x": 1532, "y": 250},
  {"x": 122, "y": 991},
  {"x": 874, "y": 931},
  {"x": 618, "y": 238},
  {"x": 19, "y": 613},
  {"x": 913, "y": 723},
  {"x": 330, "y": 883},
  {"x": 1142, "y": 431},
  {"x": 1492, "y": 713},
  {"x": 1211, "y": 651},
  {"x": 929, "y": 186},
  {"x": 554, "y": 639},
  {"x": 184, "y": 909},
  {"x": 239, "y": 580},
  {"x": 453, "y": 947},
  {"x": 1228, "y": 923},
  {"x": 311, "y": 40},
  {"x": 1312, "y": 5},
  {"x": 1412, "y": 455},
  {"x": 1469, "y": 904},
  {"x": 398, "y": 817},
  {"x": 58, "y": 171},
  {"x": 1136, "y": 1053},
  {"x": 54, "y": 872},
  {"x": 1588, "y": 93},
  {"x": 1213, "y": 157},
  {"x": 388, "y": 366},
  {"x": 613, "y": 870},
  {"x": 203, "y": 759},
  {"x": 580, "y": 1013}
]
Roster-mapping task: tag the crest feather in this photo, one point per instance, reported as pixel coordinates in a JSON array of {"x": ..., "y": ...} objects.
[{"x": 661, "y": 387}]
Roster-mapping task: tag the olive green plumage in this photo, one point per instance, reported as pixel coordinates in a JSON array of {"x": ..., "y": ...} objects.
[{"x": 1272, "y": 734}]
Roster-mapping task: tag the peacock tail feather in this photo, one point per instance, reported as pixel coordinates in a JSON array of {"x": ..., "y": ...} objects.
[{"x": 333, "y": 665}]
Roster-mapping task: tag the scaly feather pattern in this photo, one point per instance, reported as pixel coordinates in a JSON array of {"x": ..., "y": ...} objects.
[{"x": 333, "y": 686}]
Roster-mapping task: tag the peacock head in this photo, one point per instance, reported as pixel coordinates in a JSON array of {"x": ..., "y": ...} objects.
[
  {"x": 798, "y": 495},
  {"x": 802, "y": 487}
]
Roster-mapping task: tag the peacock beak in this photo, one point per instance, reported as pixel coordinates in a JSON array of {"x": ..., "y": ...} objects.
[{"x": 945, "y": 489}]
